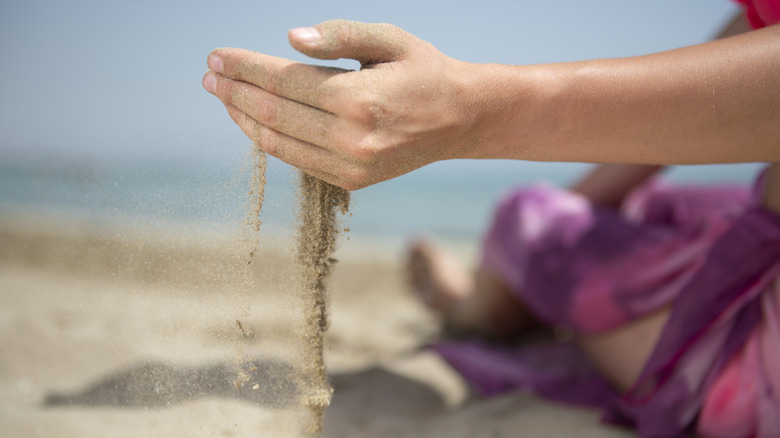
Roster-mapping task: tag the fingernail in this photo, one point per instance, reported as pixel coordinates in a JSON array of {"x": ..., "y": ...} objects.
[
  {"x": 210, "y": 82},
  {"x": 215, "y": 63},
  {"x": 306, "y": 34}
]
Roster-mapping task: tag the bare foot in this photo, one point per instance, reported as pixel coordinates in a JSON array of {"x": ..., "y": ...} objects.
[
  {"x": 438, "y": 276},
  {"x": 468, "y": 302}
]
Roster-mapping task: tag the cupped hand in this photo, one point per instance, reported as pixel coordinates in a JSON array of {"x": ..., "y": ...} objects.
[{"x": 406, "y": 107}]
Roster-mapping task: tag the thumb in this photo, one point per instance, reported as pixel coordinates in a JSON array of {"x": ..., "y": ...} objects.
[{"x": 364, "y": 42}]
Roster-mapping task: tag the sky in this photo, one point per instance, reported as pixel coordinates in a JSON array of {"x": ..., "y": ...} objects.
[{"x": 107, "y": 82}]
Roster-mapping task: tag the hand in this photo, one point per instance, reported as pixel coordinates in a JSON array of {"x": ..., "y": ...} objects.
[{"x": 406, "y": 107}]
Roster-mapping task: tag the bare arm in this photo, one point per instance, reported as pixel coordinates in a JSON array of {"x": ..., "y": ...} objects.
[
  {"x": 410, "y": 105},
  {"x": 717, "y": 102},
  {"x": 608, "y": 184}
]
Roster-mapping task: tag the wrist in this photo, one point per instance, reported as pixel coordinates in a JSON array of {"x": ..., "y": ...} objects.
[{"x": 511, "y": 111}]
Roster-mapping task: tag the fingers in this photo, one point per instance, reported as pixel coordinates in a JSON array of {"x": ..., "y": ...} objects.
[
  {"x": 303, "y": 83},
  {"x": 319, "y": 119},
  {"x": 369, "y": 43},
  {"x": 307, "y": 123},
  {"x": 278, "y": 144},
  {"x": 308, "y": 157}
]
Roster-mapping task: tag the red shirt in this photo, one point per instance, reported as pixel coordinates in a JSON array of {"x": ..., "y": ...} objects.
[{"x": 761, "y": 13}]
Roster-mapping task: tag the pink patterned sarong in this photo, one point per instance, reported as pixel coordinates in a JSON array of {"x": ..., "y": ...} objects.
[{"x": 710, "y": 254}]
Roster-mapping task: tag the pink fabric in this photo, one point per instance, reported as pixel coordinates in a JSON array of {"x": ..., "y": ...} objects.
[
  {"x": 661, "y": 238},
  {"x": 761, "y": 13},
  {"x": 712, "y": 254},
  {"x": 735, "y": 405}
]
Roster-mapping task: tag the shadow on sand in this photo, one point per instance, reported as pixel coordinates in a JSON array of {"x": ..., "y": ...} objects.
[{"x": 269, "y": 385}]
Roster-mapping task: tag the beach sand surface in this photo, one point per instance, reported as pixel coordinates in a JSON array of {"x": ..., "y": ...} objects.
[{"x": 129, "y": 331}]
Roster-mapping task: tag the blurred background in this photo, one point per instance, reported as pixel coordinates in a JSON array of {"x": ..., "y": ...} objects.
[
  {"x": 103, "y": 116},
  {"x": 106, "y": 133}
]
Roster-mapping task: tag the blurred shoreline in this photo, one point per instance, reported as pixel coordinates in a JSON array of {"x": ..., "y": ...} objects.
[{"x": 451, "y": 199}]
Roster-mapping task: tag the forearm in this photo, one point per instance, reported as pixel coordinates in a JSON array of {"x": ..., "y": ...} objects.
[
  {"x": 608, "y": 184},
  {"x": 711, "y": 103}
]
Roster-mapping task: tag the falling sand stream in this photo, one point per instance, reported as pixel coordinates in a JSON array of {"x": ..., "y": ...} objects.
[
  {"x": 319, "y": 206},
  {"x": 317, "y": 232}
]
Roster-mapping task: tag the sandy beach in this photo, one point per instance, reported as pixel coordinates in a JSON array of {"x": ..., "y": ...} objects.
[{"x": 109, "y": 331}]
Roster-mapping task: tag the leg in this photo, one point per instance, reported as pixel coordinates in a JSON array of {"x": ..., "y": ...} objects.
[
  {"x": 483, "y": 303},
  {"x": 473, "y": 302},
  {"x": 620, "y": 354}
]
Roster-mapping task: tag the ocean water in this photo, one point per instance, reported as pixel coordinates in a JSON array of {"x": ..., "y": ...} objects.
[{"x": 448, "y": 199}]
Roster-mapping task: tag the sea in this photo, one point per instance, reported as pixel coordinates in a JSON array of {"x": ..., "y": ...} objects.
[{"x": 452, "y": 199}]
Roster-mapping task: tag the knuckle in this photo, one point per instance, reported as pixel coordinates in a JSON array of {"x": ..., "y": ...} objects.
[
  {"x": 362, "y": 105},
  {"x": 267, "y": 112},
  {"x": 346, "y": 32},
  {"x": 369, "y": 108},
  {"x": 256, "y": 72},
  {"x": 364, "y": 151},
  {"x": 339, "y": 31}
]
